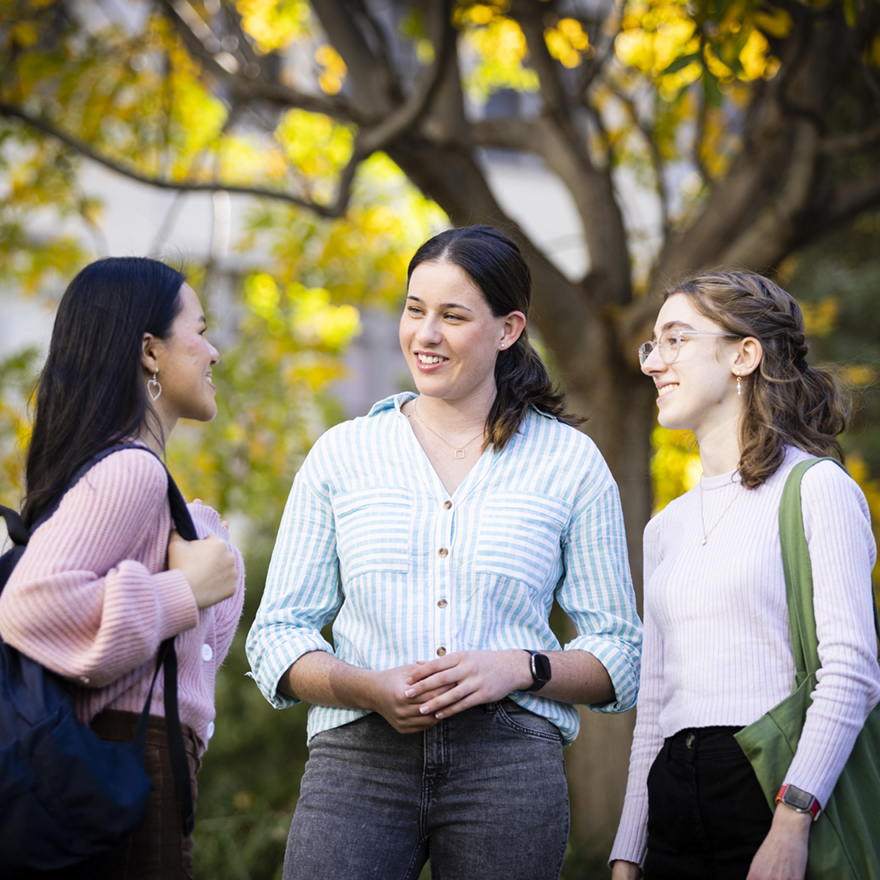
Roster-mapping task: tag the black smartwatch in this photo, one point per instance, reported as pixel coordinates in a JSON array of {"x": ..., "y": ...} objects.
[{"x": 540, "y": 670}]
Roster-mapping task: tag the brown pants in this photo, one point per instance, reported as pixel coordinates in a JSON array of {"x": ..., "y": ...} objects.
[{"x": 157, "y": 849}]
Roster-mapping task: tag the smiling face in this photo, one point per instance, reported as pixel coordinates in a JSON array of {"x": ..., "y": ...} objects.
[
  {"x": 449, "y": 335},
  {"x": 698, "y": 391},
  {"x": 184, "y": 361}
]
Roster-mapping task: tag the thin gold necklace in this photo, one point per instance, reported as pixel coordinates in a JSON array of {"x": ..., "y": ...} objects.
[
  {"x": 707, "y": 532},
  {"x": 458, "y": 450}
]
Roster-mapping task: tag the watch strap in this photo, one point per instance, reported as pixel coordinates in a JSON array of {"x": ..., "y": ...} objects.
[{"x": 537, "y": 681}]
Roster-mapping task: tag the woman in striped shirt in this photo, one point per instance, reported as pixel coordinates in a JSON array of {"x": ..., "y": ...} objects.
[
  {"x": 728, "y": 359},
  {"x": 435, "y": 533}
]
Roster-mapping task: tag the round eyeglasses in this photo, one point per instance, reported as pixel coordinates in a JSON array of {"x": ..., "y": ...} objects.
[{"x": 669, "y": 344}]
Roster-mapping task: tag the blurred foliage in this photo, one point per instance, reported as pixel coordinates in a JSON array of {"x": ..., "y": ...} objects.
[
  {"x": 837, "y": 281},
  {"x": 128, "y": 88}
]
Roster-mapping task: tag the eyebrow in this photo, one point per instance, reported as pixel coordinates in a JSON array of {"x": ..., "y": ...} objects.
[
  {"x": 449, "y": 305},
  {"x": 672, "y": 325}
]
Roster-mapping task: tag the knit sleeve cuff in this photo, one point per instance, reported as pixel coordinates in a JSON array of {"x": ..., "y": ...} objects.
[{"x": 179, "y": 611}]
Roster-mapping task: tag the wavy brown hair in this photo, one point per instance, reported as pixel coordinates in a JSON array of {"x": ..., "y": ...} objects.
[
  {"x": 787, "y": 402},
  {"x": 497, "y": 267}
]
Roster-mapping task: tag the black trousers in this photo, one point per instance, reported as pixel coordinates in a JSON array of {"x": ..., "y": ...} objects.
[{"x": 707, "y": 814}]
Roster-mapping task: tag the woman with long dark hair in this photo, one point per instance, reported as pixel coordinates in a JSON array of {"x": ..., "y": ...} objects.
[
  {"x": 728, "y": 357},
  {"x": 106, "y": 578},
  {"x": 437, "y": 531}
]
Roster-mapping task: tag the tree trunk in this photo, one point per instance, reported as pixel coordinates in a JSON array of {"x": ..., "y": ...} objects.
[{"x": 620, "y": 405}]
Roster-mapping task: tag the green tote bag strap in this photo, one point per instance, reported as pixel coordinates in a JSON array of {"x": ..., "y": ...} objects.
[{"x": 799, "y": 573}]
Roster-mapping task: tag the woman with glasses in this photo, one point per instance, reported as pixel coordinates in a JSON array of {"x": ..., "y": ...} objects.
[
  {"x": 728, "y": 359},
  {"x": 440, "y": 527}
]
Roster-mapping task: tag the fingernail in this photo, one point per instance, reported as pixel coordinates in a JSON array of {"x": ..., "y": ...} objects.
[
  {"x": 411, "y": 692},
  {"x": 424, "y": 710},
  {"x": 439, "y": 715}
]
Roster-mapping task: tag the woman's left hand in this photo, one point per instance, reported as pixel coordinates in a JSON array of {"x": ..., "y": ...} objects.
[
  {"x": 783, "y": 854},
  {"x": 476, "y": 677}
]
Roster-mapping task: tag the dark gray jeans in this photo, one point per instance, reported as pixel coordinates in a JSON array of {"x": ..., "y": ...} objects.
[{"x": 482, "y": 794}]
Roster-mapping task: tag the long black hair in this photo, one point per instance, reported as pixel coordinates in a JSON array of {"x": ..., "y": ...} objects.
[
  {"x": 494, "y": 263},
  {"x": 787, "y": 401},
  {"x": 92, "y": 392}
]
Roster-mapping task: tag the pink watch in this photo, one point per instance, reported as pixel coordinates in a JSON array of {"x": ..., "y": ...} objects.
[{"x": 799, "y": 800}]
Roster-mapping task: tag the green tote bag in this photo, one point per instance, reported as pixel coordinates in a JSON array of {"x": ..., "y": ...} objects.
[{"x": 845, "y": 840}]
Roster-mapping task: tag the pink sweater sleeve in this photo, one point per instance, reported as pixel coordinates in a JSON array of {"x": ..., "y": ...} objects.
[{"x": 90, "y": 598}]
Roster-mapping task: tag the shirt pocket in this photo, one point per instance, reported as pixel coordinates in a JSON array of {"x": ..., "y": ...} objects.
[
  {"x": 520, "y": 537},
  {"x": 373, "y": 530}
]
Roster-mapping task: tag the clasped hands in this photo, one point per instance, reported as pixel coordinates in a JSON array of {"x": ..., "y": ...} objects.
[{"x": 415, "y": 697}]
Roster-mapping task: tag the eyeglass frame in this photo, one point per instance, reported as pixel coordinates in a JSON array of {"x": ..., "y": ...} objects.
[{"x": 679, "y": 333}]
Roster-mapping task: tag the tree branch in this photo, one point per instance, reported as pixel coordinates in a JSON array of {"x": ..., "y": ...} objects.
[
  {"x": 770, "y": 237},
  {"x": 653, "y": 149},
  {"x": 854, "y": 142},
  {"x": 337, "y": 209},
  {"x": 843, "y": 205},
  {"x": 367, "y": 76},
  {"x": 244, "y": 89},
  {"x": 406, "y": 116}
]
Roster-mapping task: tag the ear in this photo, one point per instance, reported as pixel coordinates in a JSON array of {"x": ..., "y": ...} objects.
[
  {"x": 149, "y": 351},
  {"x": 513, "y": 326},
  {"x": 749, "y": 353}
]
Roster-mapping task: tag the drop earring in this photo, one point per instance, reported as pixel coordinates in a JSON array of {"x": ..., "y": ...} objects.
[
  {"x": 154, "y": 388},
  {"x": 739, "y": 384}
]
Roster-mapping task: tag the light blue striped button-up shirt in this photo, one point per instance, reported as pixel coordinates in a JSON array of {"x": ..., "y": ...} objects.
[{"x": 370, "y": 532}]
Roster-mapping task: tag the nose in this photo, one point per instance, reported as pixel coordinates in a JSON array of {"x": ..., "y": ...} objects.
[
  {"x": 429, "y": 331},
  {"x": 215, "y": 355},
  {"x": 653, "y": 362}
]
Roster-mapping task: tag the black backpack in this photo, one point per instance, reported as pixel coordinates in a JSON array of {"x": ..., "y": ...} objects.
[{"x": 67, "y": 798}]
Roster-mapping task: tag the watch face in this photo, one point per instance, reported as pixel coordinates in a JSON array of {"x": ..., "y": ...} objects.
[
  {"x": 795, "y": 797},
  {"x": 542, "y": 667}
]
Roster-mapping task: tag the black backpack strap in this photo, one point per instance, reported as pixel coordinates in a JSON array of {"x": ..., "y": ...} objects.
[
  {"x": 168, "y": 656},
  {"x": 18, "y": 531}
]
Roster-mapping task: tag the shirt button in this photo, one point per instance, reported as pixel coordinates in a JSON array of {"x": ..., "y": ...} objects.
[
  {"x": 441, "y": 651},
  {"x": 443, "y": 551},
  {"x": 442, "y": 603},
  {"x": 210, "y": 729},
  {"x": 447, "y": 505},
  {"x": 207, "y": 652}
]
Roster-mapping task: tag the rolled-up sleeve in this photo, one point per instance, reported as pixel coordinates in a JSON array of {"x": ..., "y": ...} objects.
[
  {"x": 302, "y": 592},
  {"x": 597, "y": 593}
]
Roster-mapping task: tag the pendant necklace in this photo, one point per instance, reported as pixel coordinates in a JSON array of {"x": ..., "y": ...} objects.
[
  {"x": 459, "y": 451},
  {"x": 707, "y": 532}
]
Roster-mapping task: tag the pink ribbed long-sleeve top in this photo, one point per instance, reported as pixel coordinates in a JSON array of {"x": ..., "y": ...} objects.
[
  {"x": 92, "y": 598},
  {"x": 717, "y": 647}
]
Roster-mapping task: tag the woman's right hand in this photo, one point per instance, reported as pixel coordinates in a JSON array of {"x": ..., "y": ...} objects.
[
  {"x": 207, "y": 564},
  {"x": 622, "y": 870},
  {"x": 387, "y": 696}
]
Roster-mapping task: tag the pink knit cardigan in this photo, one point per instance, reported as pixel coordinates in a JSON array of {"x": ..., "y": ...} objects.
[{"x": 92, "y": 597}]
